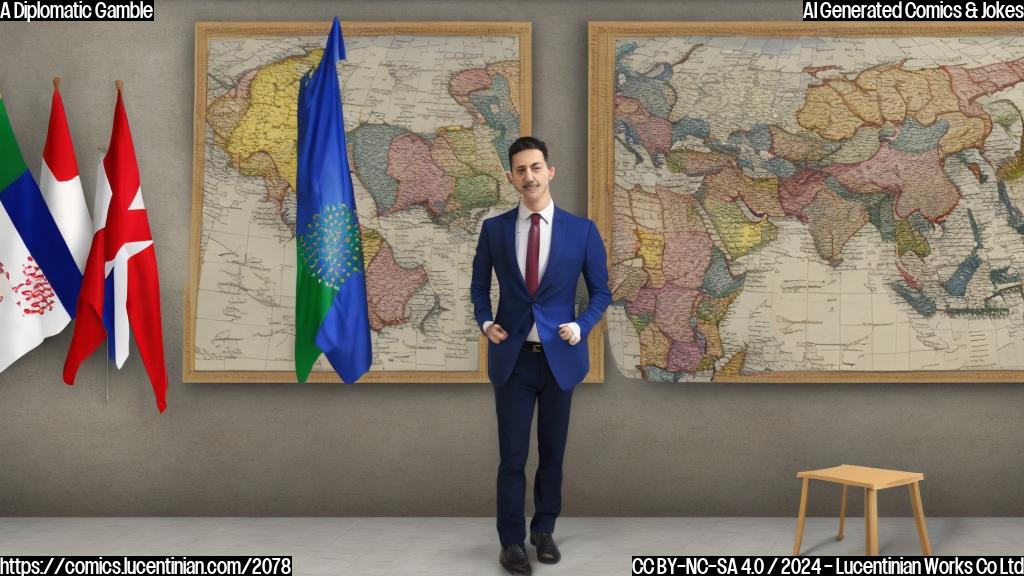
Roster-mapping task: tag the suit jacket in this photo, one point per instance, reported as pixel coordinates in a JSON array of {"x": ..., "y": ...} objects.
[{"x": 576, "y": 248}]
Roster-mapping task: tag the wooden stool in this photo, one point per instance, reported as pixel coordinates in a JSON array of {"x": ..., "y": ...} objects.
[{"x": 872, "y": 480}]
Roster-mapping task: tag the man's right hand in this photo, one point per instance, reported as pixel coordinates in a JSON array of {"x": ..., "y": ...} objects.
[{"x": 496, "y": 333}]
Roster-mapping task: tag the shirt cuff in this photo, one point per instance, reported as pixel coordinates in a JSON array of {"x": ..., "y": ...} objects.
[
  {"x": 486, "y": 325},
  {"x": 575, "y": 333}
]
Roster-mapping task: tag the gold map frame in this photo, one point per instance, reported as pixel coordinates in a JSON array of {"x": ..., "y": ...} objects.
[
  {"x": 601, "y": 78},
  {"x": 206, "y": 31}
]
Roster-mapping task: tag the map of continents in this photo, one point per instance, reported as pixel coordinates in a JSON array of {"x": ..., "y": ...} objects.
[
  {"x": 427, "y": 119},
  {"x": 817, "y": 204}
]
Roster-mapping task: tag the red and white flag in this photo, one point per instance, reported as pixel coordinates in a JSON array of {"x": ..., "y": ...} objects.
[
  {"x": 121, "y": 288},
  {"x": 61, "y": 186}
]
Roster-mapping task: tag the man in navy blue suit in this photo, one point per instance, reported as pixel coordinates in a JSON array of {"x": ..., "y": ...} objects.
[{"x": 537, "y": 350}]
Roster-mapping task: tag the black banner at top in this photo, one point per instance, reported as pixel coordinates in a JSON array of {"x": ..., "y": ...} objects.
[
  {"x": 910, "y": 10},
  {"x": 80, "y": 10}
]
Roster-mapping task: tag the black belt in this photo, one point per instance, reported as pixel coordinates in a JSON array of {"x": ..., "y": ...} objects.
[{"x": 532, "y": 347}]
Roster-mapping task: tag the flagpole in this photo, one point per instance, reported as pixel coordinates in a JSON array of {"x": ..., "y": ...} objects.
[
  {"x": 106, "y": 342},
  {"x": 119, "y": 85},
  {"x": 56, "y": 82}
]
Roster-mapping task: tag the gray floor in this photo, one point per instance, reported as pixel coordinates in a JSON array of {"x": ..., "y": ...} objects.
[{"x": 449, "y": 546}]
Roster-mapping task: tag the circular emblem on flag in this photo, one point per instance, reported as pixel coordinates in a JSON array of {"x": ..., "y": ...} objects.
[
  {"x": 36, "y": 296},
  {"x": 331, "y": 245}
]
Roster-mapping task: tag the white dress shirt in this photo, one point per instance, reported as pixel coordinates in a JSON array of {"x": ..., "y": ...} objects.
[{"x": 522, "y": 240}]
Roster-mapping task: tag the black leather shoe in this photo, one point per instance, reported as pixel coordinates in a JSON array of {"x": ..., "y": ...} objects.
[
  {"x": 513, "y": 559},
  {"x": 547, "y": 552}
]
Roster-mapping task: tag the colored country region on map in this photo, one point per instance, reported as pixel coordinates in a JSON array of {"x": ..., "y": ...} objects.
[
  {"x": 371, "y": 149},
  {"x": 675, "y": 285},
  {"x": 389, "y": 286},
  {"x": 492, "y": 95},
  {"x": 740, "y": 233},
  {"x": 255, "y": 122},
  {"x": 728, "y": 184},
  {"x": 838, "y": 107},
  {"x": 910, "y": 240},
  {"x": 645, "y": 86},
  {"x": 419, "y": 180},
  {"x": 917, "y": 181},
  {"x": 832, "y": 220},
  {"x": 800, "y": 147},
  {"x": 690, "y": 340},
  {"x": 451, "y": 174},
  {"x": 652, "y": 132}
]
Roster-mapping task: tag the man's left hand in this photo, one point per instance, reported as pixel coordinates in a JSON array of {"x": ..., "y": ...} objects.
[{"x": 566, "y": 332}]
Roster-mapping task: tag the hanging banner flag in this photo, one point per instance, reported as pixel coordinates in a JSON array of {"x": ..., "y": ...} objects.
[
  {"x": 330, "y": 298},
  {"x": 121, "y": 288},
  {"x": 39, "y": 276}
]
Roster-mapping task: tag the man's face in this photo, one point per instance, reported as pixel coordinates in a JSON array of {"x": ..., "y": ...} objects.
[{"x": 530, "y": 176}]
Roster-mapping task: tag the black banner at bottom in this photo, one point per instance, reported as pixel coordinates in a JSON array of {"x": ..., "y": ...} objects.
[
  {"x": 150, "y": 565},
  {"x": 846, "y": 565}
]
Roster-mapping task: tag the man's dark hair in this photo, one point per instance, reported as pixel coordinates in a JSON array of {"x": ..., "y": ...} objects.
[{"x": 526, "y": 143}]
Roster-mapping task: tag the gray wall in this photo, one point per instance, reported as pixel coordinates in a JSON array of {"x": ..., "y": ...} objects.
[{"x": 635, "y": 448}]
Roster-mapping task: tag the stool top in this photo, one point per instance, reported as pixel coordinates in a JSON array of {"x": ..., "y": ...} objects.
[{"x": 873, "y": 478}]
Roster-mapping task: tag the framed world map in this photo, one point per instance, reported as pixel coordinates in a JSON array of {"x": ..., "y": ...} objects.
[
  {"x": 787, "y": 202},
  {"x": 430, "y": 109}
]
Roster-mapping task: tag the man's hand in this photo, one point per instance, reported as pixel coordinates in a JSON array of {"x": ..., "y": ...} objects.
[
  {"x": 566, "y": 332},
  {"x": 496, "y": 333}
]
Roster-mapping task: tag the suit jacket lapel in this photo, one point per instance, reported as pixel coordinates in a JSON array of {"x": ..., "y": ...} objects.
[{"x": 510, "y": 243}]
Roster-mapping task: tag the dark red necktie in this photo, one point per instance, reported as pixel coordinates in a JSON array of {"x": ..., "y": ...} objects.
[{"x": 533, "y": 253}]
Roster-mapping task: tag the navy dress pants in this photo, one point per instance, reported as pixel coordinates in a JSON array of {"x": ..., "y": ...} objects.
[{"x": 531, "y": 383}]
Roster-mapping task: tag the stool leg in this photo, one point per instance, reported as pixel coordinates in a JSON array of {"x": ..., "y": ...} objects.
[
  {"x": 922, "y": 529},
  {"x": 801, "y": 516},
  {"x": 871, "y": 514},
  {"x": 867, "y": 526},
  {"x": 842, "y": 513}
]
